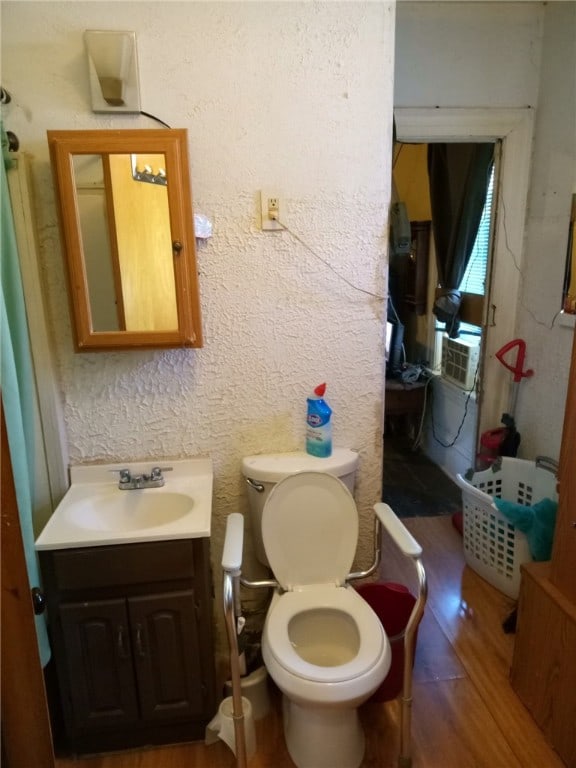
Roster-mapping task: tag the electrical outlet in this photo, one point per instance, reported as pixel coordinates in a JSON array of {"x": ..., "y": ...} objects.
[
  {"x": 273, "y": 208},
  {"x": 270, "y": 212}
]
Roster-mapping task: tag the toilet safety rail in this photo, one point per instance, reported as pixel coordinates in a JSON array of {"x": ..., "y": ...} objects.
[
  {"x": 232, "y": 567},
  {"x": 407, "y": 544}
]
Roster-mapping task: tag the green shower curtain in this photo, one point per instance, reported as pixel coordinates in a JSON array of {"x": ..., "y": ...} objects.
[{"x": 17, "y": 385}]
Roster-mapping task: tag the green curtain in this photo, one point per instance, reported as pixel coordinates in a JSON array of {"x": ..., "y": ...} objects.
[
  {"x": 18, "y": 388},
  {"x": 458, "y": 175}
]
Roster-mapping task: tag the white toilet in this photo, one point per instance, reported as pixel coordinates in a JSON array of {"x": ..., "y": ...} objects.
[{"x": 322, "y": 644}]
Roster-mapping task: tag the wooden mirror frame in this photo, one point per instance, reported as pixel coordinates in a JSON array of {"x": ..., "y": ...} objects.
[
  {"x": 569, "y": 298},
  {"x": 173, "y": 144}
]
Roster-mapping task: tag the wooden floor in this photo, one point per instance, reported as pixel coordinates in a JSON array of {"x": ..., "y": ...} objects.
[{"x": 465, "y": 713}]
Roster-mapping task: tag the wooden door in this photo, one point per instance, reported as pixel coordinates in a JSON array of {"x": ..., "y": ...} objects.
[
  {"x": 166, "y": 655},
  {"x": 563, "y": 567},
  {"x": 99, "y": 663},
  {"x": 26, "y": 734}
]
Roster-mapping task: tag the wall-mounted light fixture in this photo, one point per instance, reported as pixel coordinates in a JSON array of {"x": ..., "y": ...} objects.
[{"x": 113, "y": 70}]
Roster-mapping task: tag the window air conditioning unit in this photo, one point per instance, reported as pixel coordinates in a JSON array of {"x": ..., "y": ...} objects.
[{"x": 460, "y": 361}]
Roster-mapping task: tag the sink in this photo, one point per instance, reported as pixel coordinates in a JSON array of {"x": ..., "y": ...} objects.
[
  {"x": 95, "y": 512},
  {"x": 129, "y": 510}
]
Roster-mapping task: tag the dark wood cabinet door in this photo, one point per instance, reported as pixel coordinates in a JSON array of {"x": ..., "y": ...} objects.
[
  {"x": 99, "y": 663},
  {"x": 166, "y": 655}
]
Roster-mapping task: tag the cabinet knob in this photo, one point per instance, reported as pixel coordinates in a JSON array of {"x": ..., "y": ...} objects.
[{"x": 177, "y": 247}]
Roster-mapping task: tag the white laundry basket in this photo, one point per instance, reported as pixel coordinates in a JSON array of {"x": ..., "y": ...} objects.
[{"x": 493, "y": 547}]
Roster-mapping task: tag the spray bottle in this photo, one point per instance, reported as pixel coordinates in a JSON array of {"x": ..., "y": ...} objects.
[{"x": 318, "y": 424}]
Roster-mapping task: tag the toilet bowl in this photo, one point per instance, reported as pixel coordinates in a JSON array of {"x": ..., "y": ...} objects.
[{"x": 322, "y": 644}]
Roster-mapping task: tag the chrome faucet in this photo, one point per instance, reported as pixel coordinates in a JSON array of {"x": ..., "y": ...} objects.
[{"x": 130, "y": 482}]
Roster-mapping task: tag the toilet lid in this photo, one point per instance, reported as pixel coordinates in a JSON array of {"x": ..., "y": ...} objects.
[{"x": 310, "y": 530}]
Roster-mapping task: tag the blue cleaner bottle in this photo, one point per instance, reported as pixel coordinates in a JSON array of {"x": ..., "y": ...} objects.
[{"x": 318, "y": 424}]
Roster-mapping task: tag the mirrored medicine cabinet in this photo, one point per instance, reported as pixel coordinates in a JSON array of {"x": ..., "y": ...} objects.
[{"x": 125, "y": 210}]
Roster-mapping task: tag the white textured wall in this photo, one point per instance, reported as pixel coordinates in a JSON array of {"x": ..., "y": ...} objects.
[
  {"x": 467, "y": 54},
  {"x": 513, "y": 54},
  {"x": 292, "y": 97},
  {"x": 541, "y": 399}
]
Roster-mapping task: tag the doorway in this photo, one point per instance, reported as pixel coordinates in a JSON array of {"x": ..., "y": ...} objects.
[
  {"x": 454, "y": 363},
  {"x": 512, "y": 128}
]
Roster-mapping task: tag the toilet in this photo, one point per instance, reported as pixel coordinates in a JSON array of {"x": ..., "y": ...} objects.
[{"x": 322, "y": 644}]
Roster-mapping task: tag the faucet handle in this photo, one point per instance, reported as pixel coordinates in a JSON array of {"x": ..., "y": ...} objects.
[
  {"x": 125, "y": 475},
  {"x": 156, "y": 472}
]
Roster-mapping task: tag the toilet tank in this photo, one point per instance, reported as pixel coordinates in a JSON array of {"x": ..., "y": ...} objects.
[{"x": 262, "y": 472}]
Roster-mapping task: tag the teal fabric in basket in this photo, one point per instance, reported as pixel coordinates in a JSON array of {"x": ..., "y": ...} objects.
[{"x": 537, "y": 522}]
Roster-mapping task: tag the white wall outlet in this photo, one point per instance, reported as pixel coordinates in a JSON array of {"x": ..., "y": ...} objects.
[
  {"x": 270, "y": 212},
  {"x": 273, "y": 208}
]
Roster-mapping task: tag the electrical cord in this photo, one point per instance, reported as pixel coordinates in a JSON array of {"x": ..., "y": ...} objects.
[
  {"x": 326, "y": 263},
  {"x": 410, "y": 375},
  {"x": 391, "y": 304},
  {"x": 352, "y": 285},
  {"x": 521, "y": 274},
  {"x": 418, "y": 438},
  {"x": 153, "y": 117},
  {"x": 470, "y": 391}
]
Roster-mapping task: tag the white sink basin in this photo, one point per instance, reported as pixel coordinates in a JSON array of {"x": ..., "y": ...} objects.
[
  {"x": 129, "y": 511},
  {"x": 95, "y": 512}
]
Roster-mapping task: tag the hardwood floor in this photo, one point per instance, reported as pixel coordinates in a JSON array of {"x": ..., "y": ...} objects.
[{"x": 465, "y": 713}]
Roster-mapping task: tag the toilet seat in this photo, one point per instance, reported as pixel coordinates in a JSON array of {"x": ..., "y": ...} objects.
[
  {"x": 310, "y": 530},
  {"x": 372, "y": 640}
]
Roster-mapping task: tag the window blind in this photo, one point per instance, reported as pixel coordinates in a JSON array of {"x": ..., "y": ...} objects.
[{"x": 474, "y": 280}]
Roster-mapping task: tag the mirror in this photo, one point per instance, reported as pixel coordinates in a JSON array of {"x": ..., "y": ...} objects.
[{"x": 125, "y": 212}]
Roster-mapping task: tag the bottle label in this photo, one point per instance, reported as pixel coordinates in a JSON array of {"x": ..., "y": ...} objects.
[
  {"x": 317, "y": 420},
  {"x": 319, "y": 442}
]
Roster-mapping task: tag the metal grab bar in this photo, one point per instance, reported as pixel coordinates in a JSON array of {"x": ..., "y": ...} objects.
[
  {"x": 231, "y": 563},
  {"x": 405, "y": 758},
  {"x": 407, "y": 544},
  {"x": 376, "y": 557}
]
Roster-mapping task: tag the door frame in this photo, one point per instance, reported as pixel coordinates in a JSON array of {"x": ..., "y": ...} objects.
[{"x": 514, "y": 127}]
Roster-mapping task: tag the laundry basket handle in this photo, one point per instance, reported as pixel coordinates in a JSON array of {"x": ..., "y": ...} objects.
[{"x": 547, "y": 463}]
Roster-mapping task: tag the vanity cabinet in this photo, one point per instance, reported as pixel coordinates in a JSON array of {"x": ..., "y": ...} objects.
[{"x": 131, "y": 631}]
